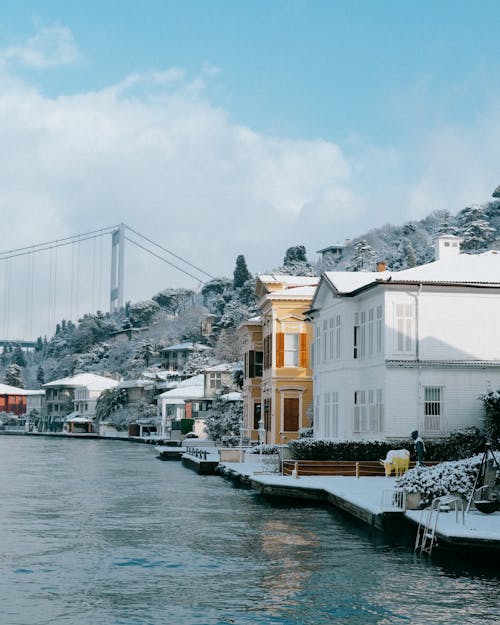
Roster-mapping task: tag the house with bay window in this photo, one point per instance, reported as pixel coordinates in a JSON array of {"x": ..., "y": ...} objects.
[
  {"x": 277, "y": 385},
  {"x": 414, "y": 349}
]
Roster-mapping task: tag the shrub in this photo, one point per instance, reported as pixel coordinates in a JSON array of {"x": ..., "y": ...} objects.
[
  {"x": 187, "y": 426},
  {"x": 458, "y": 445},
  {"x": 492, "y": 409},
  {"x": 443, "y": 479}
]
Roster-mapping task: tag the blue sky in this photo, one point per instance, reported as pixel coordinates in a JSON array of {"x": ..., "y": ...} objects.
[{"x": 261, "y": 124}]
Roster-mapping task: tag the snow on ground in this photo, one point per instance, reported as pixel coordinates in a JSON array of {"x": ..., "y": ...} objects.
[
  {"x": 477, "y": 524},
  {"x": 366, "y": 492}
]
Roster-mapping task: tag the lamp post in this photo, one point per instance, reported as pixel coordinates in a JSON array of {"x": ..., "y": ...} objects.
[
  {"x": 262, "y": 432},
  {"x": 282, "y": 451},
  {"x": 241, "y": 423}
]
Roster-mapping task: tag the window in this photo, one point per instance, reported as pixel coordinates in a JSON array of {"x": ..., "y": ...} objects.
[
  {"x": 433, "y": 398},
  {"x": 337, "y": 337},
  {"x": 267, "y": 352},
  {"x": 267, "y": 414},
  {"x": 257, "y": 411},
  {"x": 325, "y": 340},
  {"x": 253, "y": 364},
  {"x": 331, "y": 414},
  {"x": 291, "y": 414},
  {"x": 216, "y": 380},
  {"x": 356, "y": 336},
  {"x": 379, "y": 329},
  {"x": 359, "y": 335},
  {"x": 331, "y": 346},
  {"x": 371, "y": 326},
  {"x": 291, "y": 350},
  {"x": 359, "y": 411},
  {"x": 404, "y": 327},
  {"x": 368, "y": 411}
]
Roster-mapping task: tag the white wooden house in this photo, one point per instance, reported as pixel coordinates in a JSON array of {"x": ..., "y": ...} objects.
[{"x": 398, "y": 351}]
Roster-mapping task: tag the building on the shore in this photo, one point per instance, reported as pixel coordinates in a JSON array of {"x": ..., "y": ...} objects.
[
  {"x": 178, "y": 407},
  {"x": 20, "y": 401},
  {"x": 277, "y": 385},
  {"x": 76, "y": 396},
  {"x": 414, "y": 349},
  {"x": 174, "y": 357}
]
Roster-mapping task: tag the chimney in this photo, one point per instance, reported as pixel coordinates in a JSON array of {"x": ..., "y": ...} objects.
[
  {"x": 447, "y": 246},
  {"x": 381, "y": 265}
]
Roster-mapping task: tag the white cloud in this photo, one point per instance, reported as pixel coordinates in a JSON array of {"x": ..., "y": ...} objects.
[
  {"x": 152, "y": 152},
  {"x": 51, "y": 46},
  {"x": 171, "y": 165}
]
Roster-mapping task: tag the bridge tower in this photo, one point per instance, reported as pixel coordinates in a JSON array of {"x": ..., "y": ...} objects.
[{"x": 117, "y": 268}]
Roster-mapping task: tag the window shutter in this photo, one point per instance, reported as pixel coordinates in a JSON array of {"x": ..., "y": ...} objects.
[
  {"x": 251, "y": 364},
  {"x": 303, "y": 350},
  {"x": 280, "y": 349}
]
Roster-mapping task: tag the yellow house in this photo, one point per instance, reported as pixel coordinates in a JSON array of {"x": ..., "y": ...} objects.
[{"x": 278, "y": 377}]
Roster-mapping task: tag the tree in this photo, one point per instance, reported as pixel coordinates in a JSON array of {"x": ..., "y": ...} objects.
[
  {"x": 363, "y": 257},
  {"x": 241, "y": 273},
  {"x": 174, "y": 301},
  {"x": 475, "y": 229},
  {"x": 295, "y": 254},
  {"x": 109, "y": 401},
  {"x": 222, "y": 422},
  {"x": 18, "y": 357},
  {"x": 40, "y": 375},
  {"x": 13, "y": 376},
  {"x": 142, "y": 313}
]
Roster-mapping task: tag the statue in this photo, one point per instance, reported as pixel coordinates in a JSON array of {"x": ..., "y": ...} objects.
[{"x": 419, "y": 447}]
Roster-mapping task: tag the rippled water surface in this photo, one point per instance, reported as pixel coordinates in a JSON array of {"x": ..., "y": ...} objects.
[{"x": 100, "y": 532}]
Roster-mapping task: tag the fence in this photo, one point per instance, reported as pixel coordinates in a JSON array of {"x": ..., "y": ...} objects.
[{"x": 338, "y": 467}]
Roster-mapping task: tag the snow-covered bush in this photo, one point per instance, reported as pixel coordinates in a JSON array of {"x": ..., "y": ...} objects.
[
  {"x": 442, "y": 479},
  {"x": 222, "y": 422},
  {"x": 492, "y": 408},
  {"x": 265, "y": 449},
  {"x": 458, "y": 445}
]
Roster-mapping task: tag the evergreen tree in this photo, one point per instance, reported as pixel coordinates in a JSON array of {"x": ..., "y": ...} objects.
[
  {"x": 13, "y": 376},
  {"x": 363, "y": 257},
  {"x": 475, "y": 229},
  {"x": 241, "y": 273},
  {"x": 295, "y": 254},
  {"x": 18, "y": 357},
  {"x": 40, "y": 375}
]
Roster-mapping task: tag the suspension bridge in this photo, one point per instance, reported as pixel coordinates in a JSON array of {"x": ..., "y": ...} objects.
[{"x": 65, "y": 278}]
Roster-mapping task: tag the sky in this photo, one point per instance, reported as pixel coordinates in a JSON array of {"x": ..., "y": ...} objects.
[{"x": 222, "y": 127}]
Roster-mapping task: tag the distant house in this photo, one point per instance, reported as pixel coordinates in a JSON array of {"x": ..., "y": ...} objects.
[
  {"x": 20, "y": 401},
  {"x": 413, "y": 349},
  {"x": 174, "y": 357},
  {"x": 278, "y": 377},
  {"x": 182, "y": 402},
  {"x": 219, "y": 379},
  {"x": 75, "y": 396}
]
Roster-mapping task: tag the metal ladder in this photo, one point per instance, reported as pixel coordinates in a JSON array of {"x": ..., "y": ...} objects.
[{"x": 426, "y": 532}]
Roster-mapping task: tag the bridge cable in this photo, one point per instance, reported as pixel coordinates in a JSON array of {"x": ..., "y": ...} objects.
[
  {"x": 164, "y": 260},
  {"x": 171, "y": 253}
]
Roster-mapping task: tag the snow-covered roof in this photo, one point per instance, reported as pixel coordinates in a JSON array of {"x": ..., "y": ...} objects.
[
  {"x": 279, "y": 278},
  {"x": 196, "y": 380},
  {"x": 76, "y": 417},
  {"x": 466, "y": 269},
  {"x": 185, "y": 346},
  {"x": 136, "y": 384},
  {"x": 5, "y": 389},
  {"x": 178, "y": 395},
  {"x": 225, "y": 366},
  {"x": 348, "y": 281},
  {"x": 294, "y": 292},
  {"x": 233, "y": 396},
  {"x": 90, "y": 380},
  {"x": 461, "y": 269}
]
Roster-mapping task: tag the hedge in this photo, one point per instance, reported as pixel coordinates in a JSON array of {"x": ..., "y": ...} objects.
[{"x": 456, "y": 446}]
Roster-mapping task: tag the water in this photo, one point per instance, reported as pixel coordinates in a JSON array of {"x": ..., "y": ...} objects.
[{"x": 100, "y": 532}]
